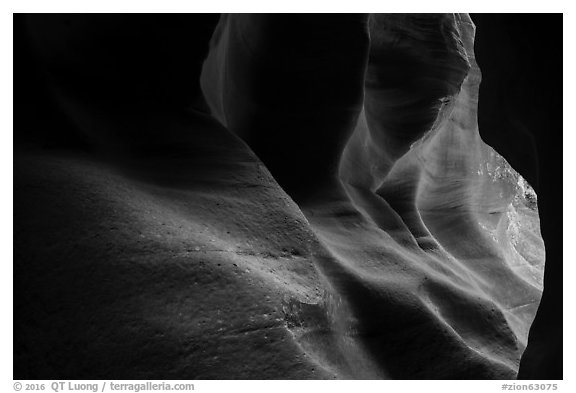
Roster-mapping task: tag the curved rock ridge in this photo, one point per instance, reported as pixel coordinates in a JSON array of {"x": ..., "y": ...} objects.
[
  {"x": 448, "y": 188},
  {"x": 337, "y": 216},
  {"x": 436, "y": 256},
  {"x": 292, "y": 87}
]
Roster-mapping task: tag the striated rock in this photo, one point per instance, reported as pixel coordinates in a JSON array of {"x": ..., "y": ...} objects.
[
  {"x": 275, "y": 86},
  {"x": 421, "y": 231},
  {"x": 360, "y": 228},
  {"x": 522, "y": 119}
]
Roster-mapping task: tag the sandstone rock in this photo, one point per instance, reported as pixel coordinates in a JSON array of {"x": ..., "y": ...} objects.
[{"x": 337, "y": 216}]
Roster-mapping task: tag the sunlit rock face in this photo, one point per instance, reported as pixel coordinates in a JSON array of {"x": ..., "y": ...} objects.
[
  {"x": 435, "y": 258},
  {"x": 454, "y": 194},
  {"x": 336, "y": 215}
]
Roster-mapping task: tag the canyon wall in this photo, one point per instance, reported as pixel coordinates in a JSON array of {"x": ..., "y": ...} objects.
[{"x": 325, "y": 207}]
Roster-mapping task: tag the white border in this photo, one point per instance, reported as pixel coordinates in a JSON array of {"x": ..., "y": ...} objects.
[
  {"x": 6, "y": 167},
  {"x": 287, "y": 6}
]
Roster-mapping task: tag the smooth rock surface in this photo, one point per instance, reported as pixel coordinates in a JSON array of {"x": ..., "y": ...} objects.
[
  {"x": 362, "y": 229},
  {"x": 418, "y": 217}
]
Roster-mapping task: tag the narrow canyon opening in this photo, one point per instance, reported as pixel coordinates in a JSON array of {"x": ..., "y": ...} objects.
[{"x": 305, "y": 196}]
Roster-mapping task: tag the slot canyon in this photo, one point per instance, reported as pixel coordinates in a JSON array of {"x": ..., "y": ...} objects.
[{"x": 288, "y": 196}]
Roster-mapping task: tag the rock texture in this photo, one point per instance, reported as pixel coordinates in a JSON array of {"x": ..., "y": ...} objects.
[
  {"x": 274, "y": 85},
  {"x": 176, "y": 266},
  {"x": 419, "y": 228},
  {"x": 356, "y": 226},
  {"x": 522, "y": 120}
]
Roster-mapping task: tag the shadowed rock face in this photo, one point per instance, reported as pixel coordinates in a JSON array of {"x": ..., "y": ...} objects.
[
  {"x": 418, "y": 217},
  {"x": 360, "y": 228},
  {"x": 274, "y": 86},
  {"x": 532, "y": 119}
]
